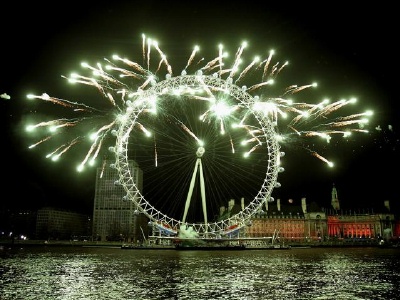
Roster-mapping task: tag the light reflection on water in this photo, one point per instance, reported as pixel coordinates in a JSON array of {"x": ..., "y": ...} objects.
[{"x": 109, "y": 273}]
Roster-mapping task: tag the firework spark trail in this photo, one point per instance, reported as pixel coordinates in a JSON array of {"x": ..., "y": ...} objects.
[
  {"x": 246, "y": 70},
  {"x": 86, "y": 81},
  {"x": 133, "y": 65},
  {"x": 148, "y": 53},
  {"x": 204, "y": 98},
  {"x": 253, "y": 139},
  {"x": 360, "y": 130},
  {"x": 295, "y": 89},
  {"x": 190, "y": 60},
  {"x": 217, "y": 66},
  {"x": 62, "y": 102},
  {"x": 190, "y": 132},
  {"x": 314, "y": 112},
  {"x": 273, "y": 70},
  {"x": 237, "y": 61},
  {"x": 211, "y": 64},
  {"x": 55, "y": 151},
  {"x": 108, "y": 78},
  {"x": 222, "y": 126},
  {"x": 312, "y": 109},
  {"x": 163, "y": 58},
  {"x": 99, "y": 147},
  {"x": 148, "y": 80},
  {"x": 344, "y": 123},
  {"x": 321, "y": 157},
  {"x": 55, "y": 123},
  {"x": 96, "y": 145},
  {"x": 103, "y": 167},
  {"x": 323, "y": 134},
  {"x": 159, "y": 65},
  {"x": 252, "y": 149},
  {"x": 144, "y": 48},
  {"x": 232, "y": 145},
  {"x": 142, "y": 128},
  {"x": 256, "y": 86},
  {"x": 223, "y": 72},
  {"x": 281, "y": 68},
  {"x": 220, "y": 56},
  {"x": 155, "y": 153},
  {"x": 267, "y": 62},
  {"x": 294, "y": 129},
  {"x": 353, "y": 116},
  {"x": 123, "y": 72},
  {"x": 65, "y": 148},
  {"x": 200, "y": 60},
  {"x": 250, "y": 131},
  {"x": 41, "y": 141},
  {"x": 333, "y": 107},
  {"x": 111, "y": 98},
  {"x": 296, "y": 119},
  {"x": 289, "y": 89},
  {"x": 300, "y": 88}
]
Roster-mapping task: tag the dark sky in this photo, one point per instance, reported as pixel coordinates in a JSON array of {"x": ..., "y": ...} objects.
[{"x": 349, "y": 51}]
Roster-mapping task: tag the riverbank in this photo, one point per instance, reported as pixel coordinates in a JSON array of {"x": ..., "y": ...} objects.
[
  {"x": 71, "y": 243},
  {"x": 37, "y": 243}
]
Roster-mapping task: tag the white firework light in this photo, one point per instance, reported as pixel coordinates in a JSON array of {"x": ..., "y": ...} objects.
[{"x": 148, "y": 109}]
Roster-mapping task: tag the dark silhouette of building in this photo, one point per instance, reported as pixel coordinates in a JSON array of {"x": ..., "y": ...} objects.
[{"x": 56, "y": 224}]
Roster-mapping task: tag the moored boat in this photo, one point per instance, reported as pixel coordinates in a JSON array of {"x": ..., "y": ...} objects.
[
  {"x": 209, "y": 247},
  {"x": 147, "y": 247},
  {"x": 269, "y": 247}
]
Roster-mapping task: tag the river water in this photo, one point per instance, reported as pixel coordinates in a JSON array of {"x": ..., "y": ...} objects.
[{"x": 92, "y": 273}]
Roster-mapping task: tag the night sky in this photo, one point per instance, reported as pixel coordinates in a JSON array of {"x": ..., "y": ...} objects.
[{"x": 349, "y": 51}]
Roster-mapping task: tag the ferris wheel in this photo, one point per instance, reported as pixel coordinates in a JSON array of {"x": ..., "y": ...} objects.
[{"x": 229, "y": 113}]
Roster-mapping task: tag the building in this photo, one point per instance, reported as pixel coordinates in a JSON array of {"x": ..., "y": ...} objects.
[
  {"x": 55, "y": 224},
  {"x": 292, "y": 223},
  {"x": 307, "y": 223},
  {"x": 116, "y": 219}
]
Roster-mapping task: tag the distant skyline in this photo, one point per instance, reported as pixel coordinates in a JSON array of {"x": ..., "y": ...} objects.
[{"x": 344, "y": 51}]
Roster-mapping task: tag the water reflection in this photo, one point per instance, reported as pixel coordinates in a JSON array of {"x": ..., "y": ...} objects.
[{"x": 103, "y": 273}]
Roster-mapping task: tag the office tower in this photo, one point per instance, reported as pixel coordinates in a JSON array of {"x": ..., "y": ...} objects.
[{"x": 115, "y": 219}]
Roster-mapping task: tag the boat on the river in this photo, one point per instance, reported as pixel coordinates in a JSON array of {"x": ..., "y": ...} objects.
[
  {"x": 212, "y": 243},
  {"x": 146, "y": 247},
  {"x": 268, "y": 247},
  {"x": 209, "y": 247}
]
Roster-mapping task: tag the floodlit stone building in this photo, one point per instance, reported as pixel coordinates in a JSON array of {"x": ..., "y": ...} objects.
[{"x": 307, "y": 223}]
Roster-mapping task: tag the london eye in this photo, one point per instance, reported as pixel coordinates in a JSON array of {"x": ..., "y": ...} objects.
[{"x": 228, "y": 122}]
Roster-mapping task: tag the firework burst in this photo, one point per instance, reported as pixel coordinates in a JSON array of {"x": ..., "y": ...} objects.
[{"x": 122, "y": 82}]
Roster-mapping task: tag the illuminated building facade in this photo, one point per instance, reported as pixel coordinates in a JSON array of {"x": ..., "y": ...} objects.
[
  {"x": 292, "y": 223},
  {"x": 307, "y": 223},
  {"x": 113, "y": 217}
]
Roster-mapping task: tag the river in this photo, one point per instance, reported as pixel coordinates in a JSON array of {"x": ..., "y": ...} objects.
[{"x": 95, "y": 273}]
